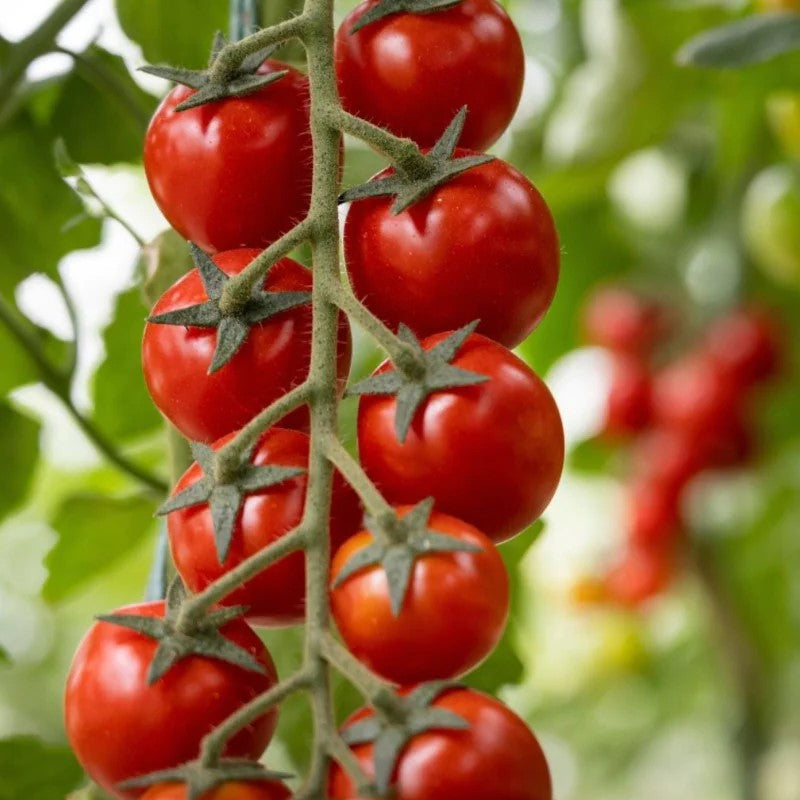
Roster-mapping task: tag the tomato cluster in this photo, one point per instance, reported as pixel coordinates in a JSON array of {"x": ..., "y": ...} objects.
[
  {"x": 679, "y": 418},
  {"x": 419, "y": 592}
]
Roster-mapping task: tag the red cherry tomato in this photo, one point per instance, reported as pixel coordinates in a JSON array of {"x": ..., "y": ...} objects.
[
  {"x": 616, "y": 318},
  {"x": 654, "y": 513},
  {"x": 273, "y": 359},
  {"x": 497, "y": 757},
  {"x": 237, "y": 172},
  {"x": 453, "y": 614},
  {"x": 411, "y": 73},
  {"x": 277, "y": 595},
  {"x": 491, "y": 454},
  {"x": 119, "y": 727},
  {"x": 628, "y": 409},
  {"x": 233, "y": 790},
  {"x": 670, "y": 458},
  {"x": 746, "y": 344},
  {"x": 481, "y": 246},
  {"x": 642, "y": 574}
]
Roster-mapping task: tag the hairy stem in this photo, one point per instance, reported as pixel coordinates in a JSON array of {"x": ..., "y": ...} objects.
[
  {"x": 354, "y": 474},
  {"x": 345, "y": 663}
]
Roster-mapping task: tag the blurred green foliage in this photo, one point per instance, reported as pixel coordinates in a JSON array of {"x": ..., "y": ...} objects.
[{"x": 645, "y": 164}]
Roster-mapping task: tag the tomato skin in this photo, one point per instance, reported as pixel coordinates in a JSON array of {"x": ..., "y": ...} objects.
[
  {"x": 119, "y": 727},
  {"x": 642, "y": 574},
  {"x": 277, "y": 595},
  {"x": 628, "y": 410},
  {"x": 490, "y": 454},
  {"x": 234, "y": 173},
  {"x": 481, "y": 246},
  {"x": 398, "y": 73},
  {"x": 274, "y": 358},
  {"x": 497, "y": 757},
  {"x": 453, "y": 614},
  {"x": 622, "y": 321},
  {"x": 233, "y": 790}
]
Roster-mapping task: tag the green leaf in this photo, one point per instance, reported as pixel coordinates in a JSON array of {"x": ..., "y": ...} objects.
[
  {"x": 20, "y": 437},
  {"x": 101, "y": 112},
  {"x": 5, "y": 658},
  {"x": 29, "y": 768},
  {"x": 752, "y": 40},
  {"x": 93, "y": 532},
  {"x": 122, "y": 405},
  {"x": 35, "y": 205},
  {"x": 18, "y": 368},
  {"x": 178, "y": 32}
]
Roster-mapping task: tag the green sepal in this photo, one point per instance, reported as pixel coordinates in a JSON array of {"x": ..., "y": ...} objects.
[
  {"x": 399, "y": 542},
  {"x": 389, "y": 7},
  {"x": 200, "y": 779},
  {"x": 243, "y": 81},
  {"x": 174, "y": 644},
  {"x": 394, "y": 726},
  {"x": 409, "y": 190},
  {"x": 232, "y": 327},
  {"x": 434, "y": 373},
  {"x": 225, "y": 497}
]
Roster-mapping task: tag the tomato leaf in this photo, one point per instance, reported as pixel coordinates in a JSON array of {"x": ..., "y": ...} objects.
[
  {"x": 20, "y": 437},
  {"x": 30, "y": 768},
  {"x": 93, "y": 532},
  {"x": 752, "y": 40}
]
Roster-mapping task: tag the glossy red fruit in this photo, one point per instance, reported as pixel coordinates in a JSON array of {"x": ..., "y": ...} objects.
[
  {"x": 411, "y": 73},
  {"x": 481, "y": 246},
  {"x": 232, "y": 790},
  {"x": 277, "y": 595},
  {"x": 654, "y": 513},
  {"x": 628, "y": 410},
  {"x": 453, "y": 614},
  {"x": 273, "y": 359},
  {"x": 642, "y": 574},
  {"x": 667, "y": 457},
  {"x": 622, "y": 321},
  {"x": 490, "y": 454},
  {"x": 746, "y": 344},
  {"x": 237, "y": 172},
  {"x": 119, "y": 727},
  {"x": 496, "y": 758}
]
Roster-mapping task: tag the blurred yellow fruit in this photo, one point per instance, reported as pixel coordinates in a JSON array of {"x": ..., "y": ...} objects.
[{"x": 778, "y": 5}]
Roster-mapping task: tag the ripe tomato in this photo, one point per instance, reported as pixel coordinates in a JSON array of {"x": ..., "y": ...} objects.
[
  {"x": 233, "y": 790},
  {"x": 481, "y": 246},
  {"x": 273, "y": 359},
  {"x": 490, "y": 454},
  {"x": 654, "y": 512},
  {"x": 277, "y": 595},
  {"x": 497, "y": 757},
  {"x": 119, "y": 727},
  {"x": 620, "y": 320},
  {"x": 628, "y": 407},
  {"x": 453, "y": 614},
  {"x": 642, "y": 574},
  {"x": 234, "y": 173},
  {"x": 746, "y": 345},
  {"x": 411, "y": 73}
]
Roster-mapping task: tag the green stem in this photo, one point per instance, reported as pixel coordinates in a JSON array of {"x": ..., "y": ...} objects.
[
  {"x": 37, "y": 43},
  {"x": 58, "y": 381},
  {"x": 339, "y": 751},
  {"x": 354, "y": 474},
  {"x": 366, "y": 681}
]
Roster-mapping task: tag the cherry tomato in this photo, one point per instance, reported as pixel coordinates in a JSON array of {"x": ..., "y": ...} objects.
[
  {"x": 628, "y": 408},
  {"x": 668, "y": 457},
  {"x": 233, "y": 790},
  {"x": 622, "y": 321},
  {"x": 746, "y": 345},
  {"x": 237, "y": 172},
  {"x": 119, "y": 727},
  {"x": 654, "y": 512},
  {"x": 497, "y": 757},
  {"x": 481, "y": 246},
  {"x": 491, "y": 454},
  {"x": 273, "y": 359},
  {"x": 411, "y": 73},
  {"x": 453, "y": 613},
  {"x": 277, "y": 595},
  {"x": 642, "y": 574}
]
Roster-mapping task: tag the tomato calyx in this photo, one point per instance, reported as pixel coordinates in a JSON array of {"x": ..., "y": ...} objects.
[
  {"x": 386, "y": 8},
  {"x": 232, "y": 321},
  {"x": 397, "y": 721},
  {"x": 399, "y": 542},
  {"x": 415, "y": 180},
  {"x": 224, "y": 487},
  {"x": 178, "y": 639},
  {"x": 210, "y": 85},
  {"x": 200, "y": 778},
  {"x": 427, "y": 371}
]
